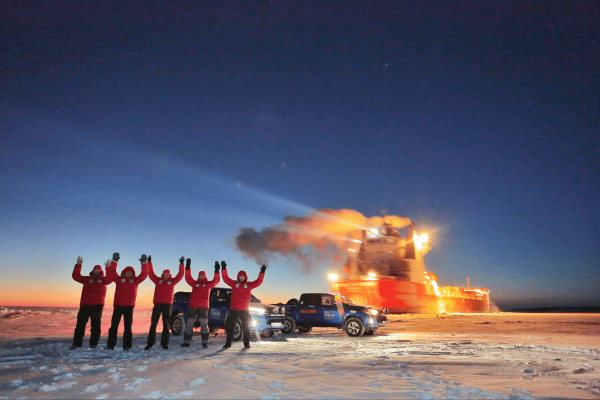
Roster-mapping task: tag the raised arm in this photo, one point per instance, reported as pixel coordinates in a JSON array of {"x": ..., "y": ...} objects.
[
  {"x": 188, "y": 277},
  {"x": 217, "y": 277},
  {"x": 259, "y": 281},
  {"x": 144, "y": 274},
  {"x": 226, "y": 278},
  {"x": 151, "y": 273},
  {"x": 77, "y": 277},
  {"x": 179, "y": 275},
  {"x": 111, "y": 272}
]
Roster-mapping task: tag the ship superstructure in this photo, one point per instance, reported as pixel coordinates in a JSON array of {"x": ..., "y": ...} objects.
[{"x": 387, "y": 270}]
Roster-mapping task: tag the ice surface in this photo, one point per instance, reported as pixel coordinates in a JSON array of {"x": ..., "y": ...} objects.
[{"x": 417, "y": 359}]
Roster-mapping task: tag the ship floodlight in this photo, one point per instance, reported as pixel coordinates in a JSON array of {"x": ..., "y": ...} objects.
[
  {"x": 372, "y": 274},
  {"x": 332, "y": 277},
  {"x": 424, "y": 238},
  {"x": 374, "y": 231}
]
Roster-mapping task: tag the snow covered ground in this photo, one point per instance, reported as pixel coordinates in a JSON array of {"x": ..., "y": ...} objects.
[{"x": 497, "y": 356}]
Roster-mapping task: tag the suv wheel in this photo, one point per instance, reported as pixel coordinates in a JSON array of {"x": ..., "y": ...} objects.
[
  {"x": 354, "y": 327},
  {"x": 289, "y": 326},
  {"x": 237, "y": 330},
  {"x": 177, "y": 324},
  {"x": 304, "y": 329}
]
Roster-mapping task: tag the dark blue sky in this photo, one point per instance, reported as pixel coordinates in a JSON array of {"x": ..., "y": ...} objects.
[{"x": 163, "y": 127}]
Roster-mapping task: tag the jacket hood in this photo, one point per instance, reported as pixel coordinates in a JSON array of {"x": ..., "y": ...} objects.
[
  {"x": 244, "y": 274},
  {"x": 128, "y": 269},
  {"x": 95, "y": 268},
  {"x": 167, "y": 271},
  {"x": 202, "y": 273}
]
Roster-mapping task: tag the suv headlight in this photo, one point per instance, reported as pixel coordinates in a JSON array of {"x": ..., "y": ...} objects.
[
  {"x": 256, "y": 311},
  {"x": 283, "y": 310},
  {"x": 373, "y": 312},
  {"x": 276, "y": 310}
]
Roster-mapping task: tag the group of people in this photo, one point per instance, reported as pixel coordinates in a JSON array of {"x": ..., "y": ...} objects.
[{"x": 94, "y": 292}]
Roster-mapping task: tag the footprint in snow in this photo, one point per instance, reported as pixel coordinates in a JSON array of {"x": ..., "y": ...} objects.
[
  {"x": 275, "y": 385},
  {"x": 93, "y": 388},
  {"x": 198, "y": 382},
  {"x": 248, "y": 377},
  {"x": 135, "y": 385}
]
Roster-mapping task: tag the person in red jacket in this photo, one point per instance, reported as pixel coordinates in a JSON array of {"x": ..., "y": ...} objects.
[
  {"x": 199, "y": 303},
  {"x": 240, "y": 302},
  {"x": 91, "y": 303},
  {"x": 124, "y": 300},
  {"x": 163, "y": 298}
]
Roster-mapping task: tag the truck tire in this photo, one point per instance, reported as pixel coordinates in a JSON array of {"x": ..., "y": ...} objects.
[
  {"x": 354, "y": 327},
  {"x": 268, "y": 334},
  {"x": 237, "y": 330},
  {"x": 292, "y": 302},
  {"x": 177, "y": 324},
  {"x": 289, "y": 326},
  {"x": 370, "y": 332},
  {"x": 304, "y": 329}
]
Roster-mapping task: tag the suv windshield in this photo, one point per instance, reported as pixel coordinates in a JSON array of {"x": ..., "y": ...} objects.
[{"x": 347, "y": 301}]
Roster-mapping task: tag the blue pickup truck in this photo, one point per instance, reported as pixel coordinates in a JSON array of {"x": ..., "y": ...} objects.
[
  {"x": 267, "y": 320},
  {"x": 322, "y": 310}
]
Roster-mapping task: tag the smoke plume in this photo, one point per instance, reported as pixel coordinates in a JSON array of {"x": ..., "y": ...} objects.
[{"x": 322, "y": 236}]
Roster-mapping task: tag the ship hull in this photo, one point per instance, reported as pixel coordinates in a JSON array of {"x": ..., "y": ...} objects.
[{"x": 411, "y": 297}]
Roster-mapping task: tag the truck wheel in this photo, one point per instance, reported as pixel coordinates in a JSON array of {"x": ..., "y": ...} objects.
[
  {"x": 354, "y": 327},
  {"x": 177, "y": 325},
  {"x": 237, "y": 330},
  {"x": 370, "y": 332},
  {"x": 212, "y": 330},
  {"x": 289, "y": 326},
  {"x": 267, "y": 334},
  {"x": 304, "y": 329}
]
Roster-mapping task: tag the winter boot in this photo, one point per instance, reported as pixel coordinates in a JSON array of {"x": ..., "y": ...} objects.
[
  {"x": 205, "y": 345},
  {"x": 73, "y": 347},
  {"x": 148, "y": 347},
  {"x": 164, "y": 346},
  {"x": 126, "y": 348},
  {"x": 184, "y": 345},
  {"x": 227, "y": 345},
  {"x": 108, "y": 348},
  {"x": 93, "y": 346}
]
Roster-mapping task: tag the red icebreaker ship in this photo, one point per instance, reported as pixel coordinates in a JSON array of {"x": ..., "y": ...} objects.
[{"x": 388, "y": 271}]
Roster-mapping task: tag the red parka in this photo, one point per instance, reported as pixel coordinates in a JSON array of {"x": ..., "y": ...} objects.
[
  {"x": 240, "y": 294},
  {"x": 163, "y": 292},
  {"x": 126, "y": 291},
  {"x": 94, "y": 287},
  {"x": 201, "y": 288}
]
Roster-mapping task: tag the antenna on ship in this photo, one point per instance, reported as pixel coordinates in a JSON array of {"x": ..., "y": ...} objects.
[{"x": 468, "y": 285}]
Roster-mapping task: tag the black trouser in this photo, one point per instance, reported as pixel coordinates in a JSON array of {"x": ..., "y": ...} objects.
[
  {"x": 245, "y": 317},
  {"x": 93, "y": 313},
  {"x": 157, "y": 311},
  {"x": 127, "y": 313},
  {"x": 202, "y": 314}
]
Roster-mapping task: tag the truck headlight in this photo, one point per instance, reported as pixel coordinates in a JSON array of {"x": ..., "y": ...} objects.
[
  {"x": 254, "y": 322},
  {"x": 256, "y": 311},
  {"x": 276, "y": 310},
  {"x": 283, "y": 310},
  {"x": 373, "y": 312}
]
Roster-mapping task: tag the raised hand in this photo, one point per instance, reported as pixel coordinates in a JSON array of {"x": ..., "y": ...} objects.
[
  {"x": 223, "y": 265},
  {"x": 217, "y": 266},
  {"x": 108, "y": 263},
  {"x": 188, "y": 263},
  {"x": 116, "y": 257},
  {"x": 181, "y": 260},
  {"x": 263, "y": 268},
  {"x": 143, "y": 259},
  {"x": 149, "y": 258},
  {"x": 79, "y": 260}
]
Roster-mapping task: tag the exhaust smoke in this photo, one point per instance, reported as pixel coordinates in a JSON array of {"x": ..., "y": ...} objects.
[{"x": 321, "y": 237}]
